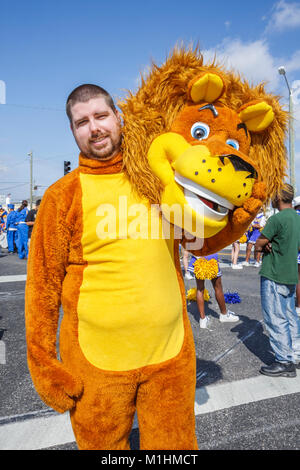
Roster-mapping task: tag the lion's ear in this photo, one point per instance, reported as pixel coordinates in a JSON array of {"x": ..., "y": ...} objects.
[
  {"x": 257, "y": 115},
  {"x": 206, "y": 87}
]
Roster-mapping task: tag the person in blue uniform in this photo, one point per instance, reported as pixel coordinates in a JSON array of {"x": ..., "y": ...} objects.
[
  {"x": 3, "y": 238},
  {"x": 11, "y": 228},
  {"x": 22, "y": 227},
  {"x": 3, "y": 215}
]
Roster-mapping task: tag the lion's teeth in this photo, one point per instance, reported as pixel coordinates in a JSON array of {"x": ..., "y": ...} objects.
[{"x": 203, "y": 192}]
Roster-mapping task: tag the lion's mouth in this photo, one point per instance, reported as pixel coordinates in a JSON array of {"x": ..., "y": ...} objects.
[
  {"x": 213, "y": 205},
  {"x": 202, "y": 200}
]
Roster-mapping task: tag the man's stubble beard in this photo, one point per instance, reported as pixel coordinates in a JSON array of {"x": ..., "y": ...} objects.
[{"x": 109, "y": 150}]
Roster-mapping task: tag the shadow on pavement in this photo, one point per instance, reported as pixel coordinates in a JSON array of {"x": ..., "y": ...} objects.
[
  {"x": 207, "y": 372},
  {"x": 251, "y": 333}
]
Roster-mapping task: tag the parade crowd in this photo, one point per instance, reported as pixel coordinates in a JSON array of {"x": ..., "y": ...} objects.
[{"x": 16, "y": 226}]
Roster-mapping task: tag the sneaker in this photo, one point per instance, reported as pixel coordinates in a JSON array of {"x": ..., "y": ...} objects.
[
  {"x": 246, "y": 263},
  {"x": 256, "y": 264},
  {"x": 237, "y": 266},
  {"x": 204, "y": 322},
  {"x": 188, "y": 276},
  {"x": 228, "y": 317}
]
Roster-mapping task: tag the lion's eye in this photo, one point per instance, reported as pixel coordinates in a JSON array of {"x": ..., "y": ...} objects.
[
  {"x": 200, "y": 130},
  {"x": 233, "y": 143}
]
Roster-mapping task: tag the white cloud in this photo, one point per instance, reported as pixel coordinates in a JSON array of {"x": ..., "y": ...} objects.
[
  {"x": 285, "y": 16},
  {"x": 295, "y": 86},
  {"x": 293, "y": 64},
  {"x": 252, "y": 60}
]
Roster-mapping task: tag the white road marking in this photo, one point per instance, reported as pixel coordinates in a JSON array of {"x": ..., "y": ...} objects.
[
  {"x": 20, "y": 277},
  {"x": 241, "y": 392},
  {"x": 36, "y": 433},
  {"x": 43, "y": 432},
  {"x": 2, "y": 352}
]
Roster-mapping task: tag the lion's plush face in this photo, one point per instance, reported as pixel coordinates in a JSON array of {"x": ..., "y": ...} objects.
[
  {"x": 217, "y": 160},
  {"x": 213, "y": 173}
]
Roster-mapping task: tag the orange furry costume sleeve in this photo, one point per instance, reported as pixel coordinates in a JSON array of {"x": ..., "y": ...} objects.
[{"x": 47, "y": 267}]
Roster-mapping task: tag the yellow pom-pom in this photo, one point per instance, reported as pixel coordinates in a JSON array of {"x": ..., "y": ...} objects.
[
  {"x": 243, "y": 239},
  {"x": 206, "y": 269},
  {"x": 206, "y": 295},
  {"x": 192, "y": 294}
]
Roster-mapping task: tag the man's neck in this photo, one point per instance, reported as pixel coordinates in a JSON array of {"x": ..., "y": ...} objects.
[
  {"x": 96, "y": 166},
  {"x": 284, "y": 205}
]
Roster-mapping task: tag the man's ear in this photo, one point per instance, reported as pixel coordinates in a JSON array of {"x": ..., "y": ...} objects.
[{"x": 119, "y": 116}]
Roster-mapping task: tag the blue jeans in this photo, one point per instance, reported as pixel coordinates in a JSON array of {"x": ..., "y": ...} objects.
[{"x": 281, "y": 319}]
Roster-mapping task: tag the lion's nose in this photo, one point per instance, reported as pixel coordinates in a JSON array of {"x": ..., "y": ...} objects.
[{"x": 239, "y": 164}]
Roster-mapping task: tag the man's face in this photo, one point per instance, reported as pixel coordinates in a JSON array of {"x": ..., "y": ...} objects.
[{"x": 96, "y": 128}]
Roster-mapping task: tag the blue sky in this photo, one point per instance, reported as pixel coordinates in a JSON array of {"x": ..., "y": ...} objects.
[{"x": 48, "y": 48}]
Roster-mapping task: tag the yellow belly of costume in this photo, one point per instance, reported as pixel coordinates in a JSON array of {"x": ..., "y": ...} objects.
[{"x": 130, "y": 305}]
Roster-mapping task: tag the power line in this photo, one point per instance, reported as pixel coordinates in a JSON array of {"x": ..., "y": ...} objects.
[
  {"x": 52, "y": 158},
  {"x": 43, "y": 108},
  {"x": 13, "y": 187}
]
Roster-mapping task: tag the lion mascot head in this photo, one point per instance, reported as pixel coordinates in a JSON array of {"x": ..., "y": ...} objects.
[{"x": 201, "y": 140}]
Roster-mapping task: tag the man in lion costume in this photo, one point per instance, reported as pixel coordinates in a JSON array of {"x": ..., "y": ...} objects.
[{"x": 196, "y": 139}]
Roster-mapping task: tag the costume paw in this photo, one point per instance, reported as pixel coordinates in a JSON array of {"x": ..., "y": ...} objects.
[
  {"x": 259, "y": 191},
  {"x": 58, "y": 388},
  {"x": 241, "y": 217},
  {"x": 245, "y": 214},
  {"x": 252, "y": 205}
]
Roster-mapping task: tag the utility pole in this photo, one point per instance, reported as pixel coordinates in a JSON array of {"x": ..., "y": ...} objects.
[
  {"x": 292, "y": 142},
  {"x": 282, "y": 71},
  {"x": 30, "y": 162}
]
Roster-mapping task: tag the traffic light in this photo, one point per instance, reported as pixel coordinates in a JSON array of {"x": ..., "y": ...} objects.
[{"x": 67, "y": 167}]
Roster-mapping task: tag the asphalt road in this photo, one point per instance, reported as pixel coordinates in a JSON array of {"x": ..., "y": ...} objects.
[{"x": 236, "y": 407}]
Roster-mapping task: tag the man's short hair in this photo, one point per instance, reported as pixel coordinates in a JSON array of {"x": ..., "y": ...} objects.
[
  {"x": 287, "y": 193},
  {"x": 86, "y": 92}
]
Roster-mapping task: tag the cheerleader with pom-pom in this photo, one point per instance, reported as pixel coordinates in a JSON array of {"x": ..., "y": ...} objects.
[{"x": 208, "y": 268}]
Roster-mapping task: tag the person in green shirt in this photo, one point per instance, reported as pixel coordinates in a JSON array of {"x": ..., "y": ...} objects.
[
  {"x": 280, "y": 242},
  {"x": 297, "y": 209}
]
